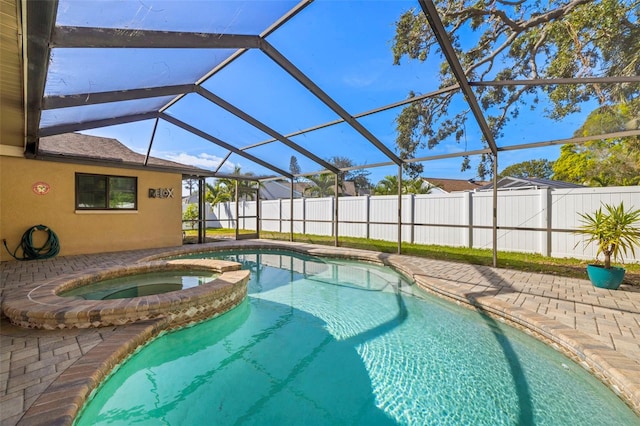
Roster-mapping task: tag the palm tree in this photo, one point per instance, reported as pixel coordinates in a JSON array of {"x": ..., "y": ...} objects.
[
  {"x": 359, "y": 178},
  {"x": 417, "y": 186},
  {"x": 246, "y": 188},
  {"x": 218, "y": 193},
  {"x": 322, "y": 185},
  {"x": 632, "y": 181},
  {"x": 601, "y": 180},
  {"x": 387, "y": 186}
]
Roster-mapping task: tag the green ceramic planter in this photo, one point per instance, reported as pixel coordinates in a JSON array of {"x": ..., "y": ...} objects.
[{"x": 605, "y": 278}]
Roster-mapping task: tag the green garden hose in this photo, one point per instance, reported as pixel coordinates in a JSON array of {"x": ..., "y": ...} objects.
[{"x": 49, "y": 249}]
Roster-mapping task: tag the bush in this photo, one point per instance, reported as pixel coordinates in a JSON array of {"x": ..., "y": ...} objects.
[{"x": 190, "y": 214}]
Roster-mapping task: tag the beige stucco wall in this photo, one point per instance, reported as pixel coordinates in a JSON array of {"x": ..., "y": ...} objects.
[{"x": 157, "y": 222}]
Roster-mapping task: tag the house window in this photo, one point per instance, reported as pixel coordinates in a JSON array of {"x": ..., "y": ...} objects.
[{"x": 102, "y": 192}]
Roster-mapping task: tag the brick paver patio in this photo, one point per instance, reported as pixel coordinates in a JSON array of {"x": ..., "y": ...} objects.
[{"x": 45, "y": 375}]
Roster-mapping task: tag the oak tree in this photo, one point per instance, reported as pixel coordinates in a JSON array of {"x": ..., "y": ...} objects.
[
  {"x": 517, "y": 39},
  {"x": 541, "y": 168},
  {"x": 359, "y": 177},
  {"x": 604, "y": 162}
]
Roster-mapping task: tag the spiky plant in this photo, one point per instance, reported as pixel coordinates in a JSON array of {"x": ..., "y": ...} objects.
[{"x": 615, "y": 230}]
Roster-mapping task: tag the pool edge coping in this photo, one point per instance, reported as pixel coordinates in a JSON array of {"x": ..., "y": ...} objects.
[{"x": 60, "y": 403}]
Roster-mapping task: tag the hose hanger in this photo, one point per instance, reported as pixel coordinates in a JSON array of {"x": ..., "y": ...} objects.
[{"x": 49, "y": 249}]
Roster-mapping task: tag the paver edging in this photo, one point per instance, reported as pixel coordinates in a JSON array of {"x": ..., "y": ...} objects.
[
  {"x": 594, "y": 356},
  {"x": 101, "y": 362},
  {"x": 61, "y": 402},
  {"x": 42, "y": 307}
]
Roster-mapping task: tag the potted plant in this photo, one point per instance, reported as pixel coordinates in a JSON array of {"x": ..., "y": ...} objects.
[{"x": 616, "y": 231}]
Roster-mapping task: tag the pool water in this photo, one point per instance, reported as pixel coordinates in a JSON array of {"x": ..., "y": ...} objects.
[
  {"x": 331, "y": 342},
  {"x": 144, "y": 284}
]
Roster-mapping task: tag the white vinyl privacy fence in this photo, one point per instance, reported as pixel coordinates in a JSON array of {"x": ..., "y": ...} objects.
[{"x": 530, "y": 221}]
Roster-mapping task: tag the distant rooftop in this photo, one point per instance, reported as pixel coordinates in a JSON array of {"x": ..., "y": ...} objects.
[
  {"x": 455, "y": 185},
  {"x": 527, "y": 183}
]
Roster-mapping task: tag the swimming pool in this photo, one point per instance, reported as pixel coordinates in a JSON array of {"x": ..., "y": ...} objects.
[{"x": 322, "y": 341}]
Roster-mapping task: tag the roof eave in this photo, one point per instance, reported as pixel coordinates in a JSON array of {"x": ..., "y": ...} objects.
[{"x": 117, "y": 163}]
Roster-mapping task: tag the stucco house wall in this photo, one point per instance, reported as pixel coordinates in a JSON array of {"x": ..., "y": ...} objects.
[{"x": 156, "y": 223}]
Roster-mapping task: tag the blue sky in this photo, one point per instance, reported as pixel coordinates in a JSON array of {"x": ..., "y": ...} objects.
[{"x": 343, "y": 46}]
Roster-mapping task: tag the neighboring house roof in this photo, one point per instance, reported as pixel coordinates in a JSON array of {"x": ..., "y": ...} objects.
[
  {"x": 190, "y": 199},
  {"x": 274, "y": 190},
  {"x": 509, "y": 182},
  {"x": 270, "y": 190},
  {"x": 78, "y": 146},
  {"x": 348, "y": 188},
  {"x": 351, "y": 190},
  {"x": 453, "y": 185}
]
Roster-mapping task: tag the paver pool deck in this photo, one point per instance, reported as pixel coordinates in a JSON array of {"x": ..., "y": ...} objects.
[{"x": 45, "y": 375}]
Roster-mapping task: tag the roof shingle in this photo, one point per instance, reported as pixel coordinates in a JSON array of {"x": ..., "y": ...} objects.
[{"x": 79, "y": 146}]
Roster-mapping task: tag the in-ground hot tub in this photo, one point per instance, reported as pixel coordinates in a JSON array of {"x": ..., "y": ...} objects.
[
  {"x": 143, "y": 284},
  {"x": 46, "y": 307}
]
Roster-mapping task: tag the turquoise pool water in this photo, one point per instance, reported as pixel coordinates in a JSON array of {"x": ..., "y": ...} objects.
[
  {"x": 144, "y": 284},
  {"x": 329, "y": 342}
]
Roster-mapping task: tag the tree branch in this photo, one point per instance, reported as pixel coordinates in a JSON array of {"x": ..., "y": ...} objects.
[
  {"x": 493, "y": 54},
  {"x": 534, "y": 52},
  {"x": 500, "y": 14},
  {"x": 505, "y": 109},
  {"x": 552, "y": 14}
]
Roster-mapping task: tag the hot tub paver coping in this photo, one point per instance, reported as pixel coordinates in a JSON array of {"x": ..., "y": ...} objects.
[
  {"x": 614, "y": 368},
  {"x": 42, "y": 307}
]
